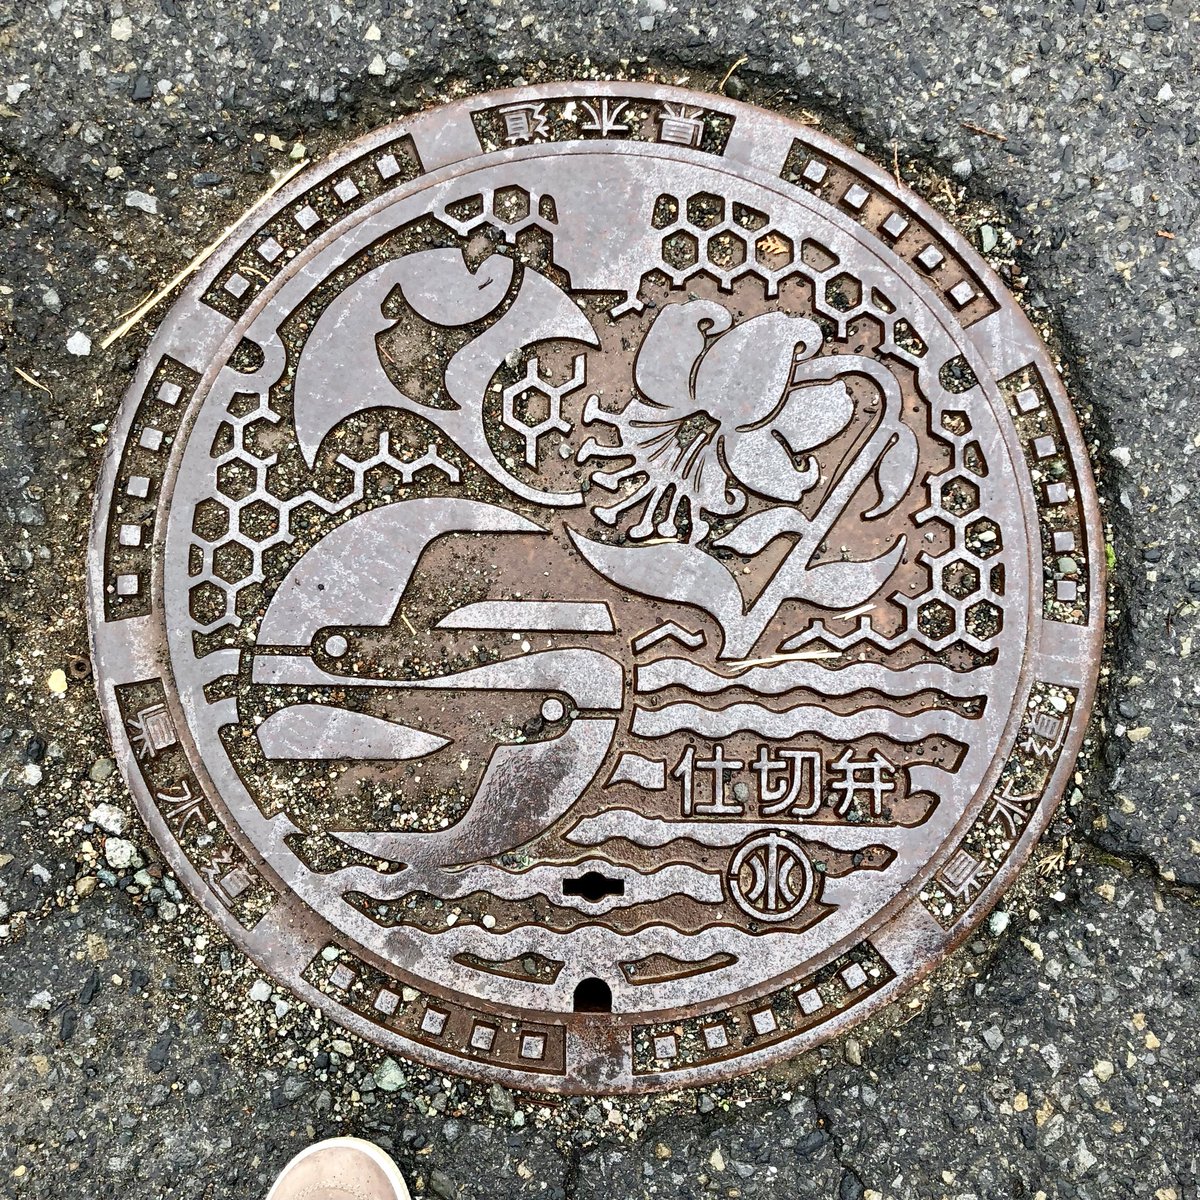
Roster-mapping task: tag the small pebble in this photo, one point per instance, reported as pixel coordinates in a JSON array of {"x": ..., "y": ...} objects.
[
  {"x": 120, "y": 854},
  {"x": 110, "y": 818},
  {"x": 500, "y": 1100},
  {"x": 147, "y": 203},
  {"x": 99, "y": 771},
  {"x": 389, "y": 1077}
]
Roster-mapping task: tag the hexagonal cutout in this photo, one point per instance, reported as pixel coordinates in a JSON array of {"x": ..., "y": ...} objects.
[
  {"x": 535, "y": 246},
  {"x": 232, "y": 562},
  {"x": 705, "y": 211},
  {"x": 774, "y": 250},
  {"x": 984, "y": 620},
  {"x": 210, "y": 520},
  {"x": 236, "y": 480},
  {"x": 207, "y": 603},
  {"x": 843, "y": 292},
  {"x": 960, "y": 579},
  {"x": 666, "y": 211},
  {"x": 935, "y": 620},
  {"x": 983, "y": 538},
  {"x": 960, "y": 496},
  {"x": 531, "y": 407},
  {"x": 680, "y": 251},
  {"x": 511, "y": 204},
  {"x": 258, "y": 520},
  {"x": 726, "y": 251}
]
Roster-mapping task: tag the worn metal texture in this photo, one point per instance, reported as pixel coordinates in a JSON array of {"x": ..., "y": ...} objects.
[{"x": 578, "y": 587}]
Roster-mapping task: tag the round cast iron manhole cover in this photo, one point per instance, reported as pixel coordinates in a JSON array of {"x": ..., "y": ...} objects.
[{"x": 596, "y": 587}]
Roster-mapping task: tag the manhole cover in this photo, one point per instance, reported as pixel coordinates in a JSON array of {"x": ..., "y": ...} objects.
[{"x": 596, "y": 587}]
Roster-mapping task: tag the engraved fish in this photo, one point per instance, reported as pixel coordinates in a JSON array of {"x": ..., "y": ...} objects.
[{"x": 355, "y": 576}]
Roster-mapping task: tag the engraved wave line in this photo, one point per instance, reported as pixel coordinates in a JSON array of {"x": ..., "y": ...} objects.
[
  {"x": 495, "y": 942},
  {"x": 673, "y": 879},
  {"x": 657, "y": 833},
  {"x": 784, "y": 676},
  {"x": 805, "y": 718}
]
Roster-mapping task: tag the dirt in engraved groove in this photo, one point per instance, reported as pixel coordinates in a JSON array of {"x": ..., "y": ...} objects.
[{"x": 601, "y": 587}]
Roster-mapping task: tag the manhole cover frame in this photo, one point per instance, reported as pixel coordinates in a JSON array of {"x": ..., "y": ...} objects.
[{"x": 290, "y": 938}]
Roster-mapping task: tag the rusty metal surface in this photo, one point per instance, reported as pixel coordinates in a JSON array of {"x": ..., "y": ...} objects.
[{"x": 596, "y": 587}]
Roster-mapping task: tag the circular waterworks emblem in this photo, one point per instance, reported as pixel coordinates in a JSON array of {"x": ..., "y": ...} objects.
[{"x": 596, "y": 587}]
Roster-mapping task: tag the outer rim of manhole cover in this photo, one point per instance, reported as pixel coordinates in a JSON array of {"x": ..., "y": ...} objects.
[{"x": 1050, "y": 492}]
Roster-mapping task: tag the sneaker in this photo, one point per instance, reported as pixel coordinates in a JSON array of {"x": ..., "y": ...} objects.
[{"x": 340, "y": 1169}]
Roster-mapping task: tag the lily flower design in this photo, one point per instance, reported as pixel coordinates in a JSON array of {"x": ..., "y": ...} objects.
[
  {"x": 722, "y": 410},
  {"x": 717, "y": 414}
]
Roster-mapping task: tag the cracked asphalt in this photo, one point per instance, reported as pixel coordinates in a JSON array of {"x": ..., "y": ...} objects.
[{"x": 1053, "y": 1057}]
